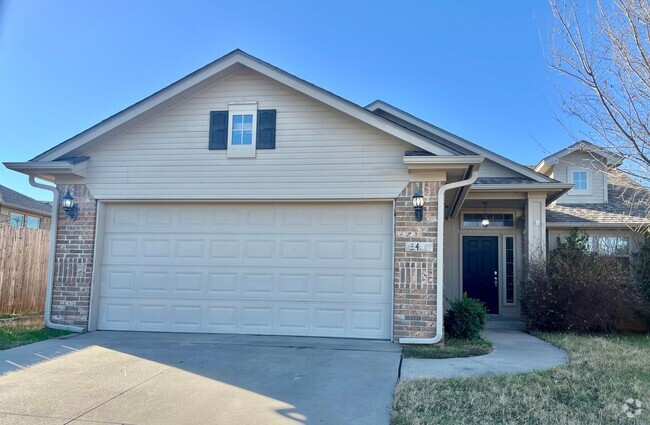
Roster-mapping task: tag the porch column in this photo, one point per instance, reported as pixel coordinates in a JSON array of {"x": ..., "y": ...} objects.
[
  {"x": 536, "y": 227},
  {"x": 414, "y": 284}
]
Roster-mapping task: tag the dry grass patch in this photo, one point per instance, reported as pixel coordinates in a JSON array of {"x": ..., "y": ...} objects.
[{"x": 604, "y": 372}]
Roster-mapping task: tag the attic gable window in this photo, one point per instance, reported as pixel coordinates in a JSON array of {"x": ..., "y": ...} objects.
[
  {"x": 242, "y": 130},
  {"x": 241, "y": 133},
  {"x": 242, "y": 119}
]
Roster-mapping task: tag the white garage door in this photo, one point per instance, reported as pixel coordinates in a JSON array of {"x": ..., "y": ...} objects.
[{"x": 320, "y": 269}]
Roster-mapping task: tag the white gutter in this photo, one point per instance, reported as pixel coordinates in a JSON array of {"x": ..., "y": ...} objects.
[
  {"x": 440, "y": 270},
  {"x": 50, "y": 265}
]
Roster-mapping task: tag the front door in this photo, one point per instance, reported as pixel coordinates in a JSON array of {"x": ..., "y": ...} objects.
[{"x": 481, "y": 270}]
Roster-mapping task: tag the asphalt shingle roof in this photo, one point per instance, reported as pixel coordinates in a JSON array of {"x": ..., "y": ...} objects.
[
  {"x": 15, "y": 199},
  {"x": 628, "y": 203},
  {"x": 504, "y": 180}
]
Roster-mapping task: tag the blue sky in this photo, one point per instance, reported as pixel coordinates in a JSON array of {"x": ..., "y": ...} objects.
[{"x": 474, "y": 68}]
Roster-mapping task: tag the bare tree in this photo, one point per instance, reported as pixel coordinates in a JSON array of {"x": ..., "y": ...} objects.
[{"x": 603, "y": 50}]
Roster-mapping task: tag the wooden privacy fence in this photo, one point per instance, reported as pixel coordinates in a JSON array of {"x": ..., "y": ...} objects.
[{"x": 23, "y": 269}]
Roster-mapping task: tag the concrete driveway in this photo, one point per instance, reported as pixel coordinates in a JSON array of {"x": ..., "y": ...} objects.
[{"x": 154, "y": 378}]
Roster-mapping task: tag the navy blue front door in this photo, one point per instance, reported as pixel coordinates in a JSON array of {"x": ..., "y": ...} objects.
[{"x": 481, "y": 270}]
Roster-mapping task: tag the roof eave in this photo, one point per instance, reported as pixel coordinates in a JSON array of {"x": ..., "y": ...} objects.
[
  {"x": 570, "y": 225},
  {"x": 501, "y": 160},
  {"x": 49, "y": 170}
]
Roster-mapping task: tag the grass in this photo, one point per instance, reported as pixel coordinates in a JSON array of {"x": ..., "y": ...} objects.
[
  {"x": 14, "y": 336},
  {"x": 452, "y": 348},
  {"x": 14, "y": 316},
  {"x": 603, "y": 372}
]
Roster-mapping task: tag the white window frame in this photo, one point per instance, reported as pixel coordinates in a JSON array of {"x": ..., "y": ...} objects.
[
  {"x": 38, "y": 221},
  {"x": 489, "y": 211},
  {"x": 505, "y": 269},
  {"x": 242, "y": 151},
  {"x": 587, "y": 172}
]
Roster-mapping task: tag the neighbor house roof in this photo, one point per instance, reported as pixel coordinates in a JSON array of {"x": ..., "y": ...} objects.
[
  {"x": 17, "y": 200},
  {"x": 627, "y": 205},
  {"x": 610, "y": 158}
]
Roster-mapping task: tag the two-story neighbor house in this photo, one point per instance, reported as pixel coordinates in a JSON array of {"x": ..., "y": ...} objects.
[
  {"x": 20, "y": 210},
  {"x": 243, "y": 199},
  {"x": 603, "y": 203}
]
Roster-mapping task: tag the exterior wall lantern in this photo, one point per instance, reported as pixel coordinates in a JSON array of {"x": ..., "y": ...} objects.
[
  {"x": 486, "y": 221},
  {"x": 69, "y": 206},
  {"x": 418, "y": 203}
]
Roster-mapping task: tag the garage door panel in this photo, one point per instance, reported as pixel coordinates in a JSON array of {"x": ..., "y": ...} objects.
[
  {"x": 322, "y": 284},
  {"x": 311, "y": 249},
  {"x": 249, "y": 218},
  {"x": 289, "y": 269},
  {"x": 247, "y": 316}
]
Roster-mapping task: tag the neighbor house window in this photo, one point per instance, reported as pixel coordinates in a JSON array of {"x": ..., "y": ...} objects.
[
  {"x": 33, "y": 222},
  {"x": 611, "y": 246},
  {"x": 496, "y": 220},
  {"x": 16, "y": 220},
  {"x": 580, "y": 180}
]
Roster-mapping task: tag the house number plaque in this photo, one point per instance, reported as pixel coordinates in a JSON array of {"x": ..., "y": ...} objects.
[{"x": 419, "y": 246}]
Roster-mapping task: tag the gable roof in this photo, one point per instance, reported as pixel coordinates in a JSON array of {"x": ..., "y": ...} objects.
[
  {"x": 11, "y": 198},
  {"x": 628, "y": 204},
  {"x": 611, "y": 158},
  {"x": 452, "y": 141},
  {"x": 209, "y": 75}
]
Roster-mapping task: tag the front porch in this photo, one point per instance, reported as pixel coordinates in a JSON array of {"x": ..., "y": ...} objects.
[{"x": 487, "y": 244}]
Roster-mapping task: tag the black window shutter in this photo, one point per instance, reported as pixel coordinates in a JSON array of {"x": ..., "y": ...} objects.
[
  {"x": 266, "y": 129},
  {"x": 218, "y": 130}
]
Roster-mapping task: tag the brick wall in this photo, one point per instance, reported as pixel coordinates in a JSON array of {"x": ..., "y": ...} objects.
[
  {"x": 75, "y": 242},
  {"x": 414, "y": 282}
]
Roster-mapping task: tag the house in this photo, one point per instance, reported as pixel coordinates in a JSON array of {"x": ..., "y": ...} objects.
[
  {"x": 604, "y": 203},
  {"x": 19, "y": 210},
  {"x": 242, "y": 199}
]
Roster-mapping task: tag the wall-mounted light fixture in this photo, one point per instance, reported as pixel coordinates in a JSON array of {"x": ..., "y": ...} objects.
[
  {"x": 69, "y": 206},
  {"x": 486, "y": 221},
  {"x": 418, "y": 203}
]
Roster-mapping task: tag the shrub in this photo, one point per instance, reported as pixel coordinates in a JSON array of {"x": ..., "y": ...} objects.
[
  {"x": 465, "y": 318},
  {"x": 577, "y": 290}
]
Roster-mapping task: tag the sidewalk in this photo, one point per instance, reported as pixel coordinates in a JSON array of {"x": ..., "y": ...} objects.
[{"x": 514, "y": 352}]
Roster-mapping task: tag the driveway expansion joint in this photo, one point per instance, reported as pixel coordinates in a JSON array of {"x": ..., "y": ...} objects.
[{"x": 116, "y": 396}]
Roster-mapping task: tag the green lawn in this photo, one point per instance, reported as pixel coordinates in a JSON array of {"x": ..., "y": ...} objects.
[
  {"x": 13, "y": 337},
  {"x": 452, "y": 348},
  {"x": 13, "y": 316},
  {"x": 604, "y": 372}
]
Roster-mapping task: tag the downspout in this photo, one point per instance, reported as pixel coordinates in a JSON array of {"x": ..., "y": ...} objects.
[
  {"x": 440, "y": 269},
  {"x": 50, "y": 264}
]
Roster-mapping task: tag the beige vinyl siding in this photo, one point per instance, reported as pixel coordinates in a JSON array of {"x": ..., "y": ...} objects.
[
  {"x": 582, "y": 160},
  {"x": 492, "y": 169},
  {"x": 320, "y": 152}
]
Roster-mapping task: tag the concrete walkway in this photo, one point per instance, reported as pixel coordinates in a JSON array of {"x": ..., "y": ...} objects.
[{"x": 514, "y": 352}]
